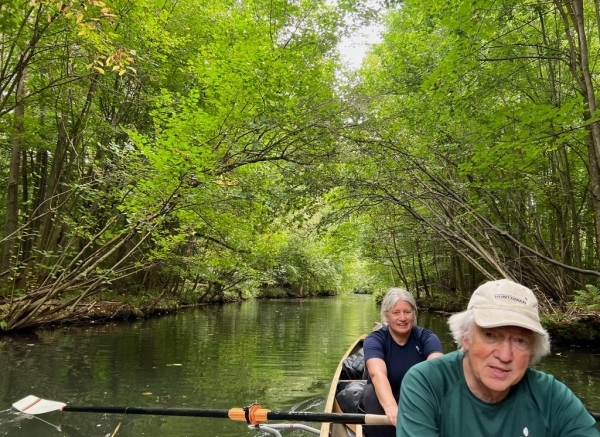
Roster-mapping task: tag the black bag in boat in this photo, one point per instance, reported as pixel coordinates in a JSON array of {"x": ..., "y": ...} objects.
[
  {"x": 350, "y": 398},
  {"x": 353, "y": 367}
]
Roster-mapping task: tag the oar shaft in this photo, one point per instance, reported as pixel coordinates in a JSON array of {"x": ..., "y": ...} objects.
[
  {"x": 190, "y": 412},
  {"x": 359, "y": 419},
  {"x": 238, "y": 414}
]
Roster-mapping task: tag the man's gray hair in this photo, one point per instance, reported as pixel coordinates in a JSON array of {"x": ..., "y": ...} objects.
[
  {"x": 392, "y": 297},
  {"x": 461, "y": 326}
]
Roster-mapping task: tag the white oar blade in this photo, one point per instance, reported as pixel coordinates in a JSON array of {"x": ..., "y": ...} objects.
[{"x": 34, "y": 405}]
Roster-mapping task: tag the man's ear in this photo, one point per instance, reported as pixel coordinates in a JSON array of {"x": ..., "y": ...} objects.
[{"x": 465, "y": 343}]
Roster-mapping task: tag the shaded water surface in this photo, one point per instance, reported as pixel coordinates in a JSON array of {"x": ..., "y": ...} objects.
[{"x": 279, "y": 353}]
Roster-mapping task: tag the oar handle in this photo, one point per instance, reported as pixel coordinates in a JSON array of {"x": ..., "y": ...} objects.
[{"x": 376, "y": 419}]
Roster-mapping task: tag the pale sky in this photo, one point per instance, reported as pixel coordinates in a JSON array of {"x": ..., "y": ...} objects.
[{"x": 353, "y": 49}]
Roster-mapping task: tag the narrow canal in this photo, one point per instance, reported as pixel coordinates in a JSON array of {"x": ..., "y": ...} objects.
[{"x": 279, "y": 353}]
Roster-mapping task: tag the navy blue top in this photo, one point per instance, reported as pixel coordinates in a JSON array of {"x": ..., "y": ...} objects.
[{"x": 398, "y": 359}]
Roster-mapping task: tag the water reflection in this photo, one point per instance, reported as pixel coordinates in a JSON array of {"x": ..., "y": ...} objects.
[{"x": 279, "y": 353}]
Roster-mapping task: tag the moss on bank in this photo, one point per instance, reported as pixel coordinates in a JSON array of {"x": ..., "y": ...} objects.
[{"x": 573, "y": 327}]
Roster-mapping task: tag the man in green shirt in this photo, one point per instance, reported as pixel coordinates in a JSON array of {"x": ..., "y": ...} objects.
[{"x": 487, "y": 388}]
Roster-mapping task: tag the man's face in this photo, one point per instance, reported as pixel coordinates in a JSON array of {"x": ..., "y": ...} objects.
[{"x": 496, "y": 359}]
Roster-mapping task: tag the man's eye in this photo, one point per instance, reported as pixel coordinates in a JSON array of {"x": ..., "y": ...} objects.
[{"x": 522, "y": 341}]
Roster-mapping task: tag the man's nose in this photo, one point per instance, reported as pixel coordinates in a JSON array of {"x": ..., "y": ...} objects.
[{"x": 504, "y": 350}]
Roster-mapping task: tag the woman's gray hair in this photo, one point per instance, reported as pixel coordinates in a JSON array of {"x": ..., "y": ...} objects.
[
  {"x": 461, "y": 326},
  {"x": 392, "y": 297}
]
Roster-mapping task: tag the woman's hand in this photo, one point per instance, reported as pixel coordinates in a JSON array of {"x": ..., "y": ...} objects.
[{"x": 392, "y": 413}]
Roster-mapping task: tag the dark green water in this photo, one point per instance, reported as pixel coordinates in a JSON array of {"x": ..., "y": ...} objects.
[{"x": 280, "y": 354}]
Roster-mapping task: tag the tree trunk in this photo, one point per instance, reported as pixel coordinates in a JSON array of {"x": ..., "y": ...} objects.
[
  {"x": 416, "y": 276},
  {"x": 11, "y": 244},
  {"x": 421, "y": 268},
  {"x": 580, "y": 70}
]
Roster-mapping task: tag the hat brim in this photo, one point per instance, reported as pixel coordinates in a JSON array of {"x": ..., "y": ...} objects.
[{"x": 495, "y": 317}]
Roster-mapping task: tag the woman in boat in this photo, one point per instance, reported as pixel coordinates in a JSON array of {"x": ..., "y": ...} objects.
[{"x": 390, "y": 352}]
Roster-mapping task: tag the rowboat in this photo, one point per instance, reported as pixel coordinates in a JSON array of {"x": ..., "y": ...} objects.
[
  {"x": 332, "y": 405},
  {"x": 340, "y": 382}
]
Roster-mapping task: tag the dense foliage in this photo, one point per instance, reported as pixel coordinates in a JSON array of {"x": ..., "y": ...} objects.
[
  {"x": 479, "y": 142},
  {"x": 216, "y": 150}
]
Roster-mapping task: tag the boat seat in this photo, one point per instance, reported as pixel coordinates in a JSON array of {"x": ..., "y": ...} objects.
[{"x": 342, "y": 383}]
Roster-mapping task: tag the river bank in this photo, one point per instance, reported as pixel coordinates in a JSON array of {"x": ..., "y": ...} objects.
[
  {"x": 566, "y": 325},
  {"x": 573, "y": 327}
]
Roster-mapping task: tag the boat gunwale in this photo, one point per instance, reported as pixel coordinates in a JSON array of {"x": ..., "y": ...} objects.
[{"x": 330, "y": 403}]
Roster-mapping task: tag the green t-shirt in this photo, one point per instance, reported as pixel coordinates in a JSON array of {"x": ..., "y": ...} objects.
[{"x": 435, "y": 401}]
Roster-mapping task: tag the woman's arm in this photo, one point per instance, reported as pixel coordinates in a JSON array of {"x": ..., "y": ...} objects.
[{"x": 378, "y": 372}]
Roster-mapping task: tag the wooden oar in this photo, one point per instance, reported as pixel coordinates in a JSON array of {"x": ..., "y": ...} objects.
[{"x": 254, "y": 414}]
